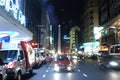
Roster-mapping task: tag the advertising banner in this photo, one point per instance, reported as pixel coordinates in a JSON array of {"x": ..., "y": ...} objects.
[{"x": 15, "y": 8}]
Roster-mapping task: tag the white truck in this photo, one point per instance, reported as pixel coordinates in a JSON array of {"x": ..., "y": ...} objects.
[{"x": 19, "y": 59}]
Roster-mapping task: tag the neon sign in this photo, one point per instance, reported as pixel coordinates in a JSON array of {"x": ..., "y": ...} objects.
[{"x": 14, "y": 7}]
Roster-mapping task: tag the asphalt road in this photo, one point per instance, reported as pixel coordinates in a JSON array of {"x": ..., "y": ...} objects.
[{"x": 84, "y": 70}]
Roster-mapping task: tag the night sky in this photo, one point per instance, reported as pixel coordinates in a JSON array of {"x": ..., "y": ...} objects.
[{"x": 67, "y": 13}]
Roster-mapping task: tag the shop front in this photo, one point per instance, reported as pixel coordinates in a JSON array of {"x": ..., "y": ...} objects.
[
  {"x": 111, "y": 32},
  {"x": 91, "y": 48}
]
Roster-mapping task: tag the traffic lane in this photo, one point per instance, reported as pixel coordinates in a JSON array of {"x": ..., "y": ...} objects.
[
  {"x": 40, "y": 73},
  {"x": 62, "y": 75},
  {"x": 37, "y": 73},
  {"x": 93, "y": 72},
  {"x": 84, "y": 70},
  {"x": 47, "y": 73}
]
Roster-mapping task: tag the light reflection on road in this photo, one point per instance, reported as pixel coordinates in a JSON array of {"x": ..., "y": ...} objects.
[
  {"x": 56, "y": 76},
  {"x": 59, "y": 76},
  {"x": 113, "y": 75}
]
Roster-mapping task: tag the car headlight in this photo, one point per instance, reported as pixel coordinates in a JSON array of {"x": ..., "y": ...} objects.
[
  {"x": 113, "y": 63},
  {"x": 56, "y": 67},
  {"x": 69, "y": 68},
  {"x": 75, "y": 57},
  {"x": 75, "y": 61}
]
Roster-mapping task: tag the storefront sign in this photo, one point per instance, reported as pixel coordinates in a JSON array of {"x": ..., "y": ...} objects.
[{"x": 14, "y": 7}]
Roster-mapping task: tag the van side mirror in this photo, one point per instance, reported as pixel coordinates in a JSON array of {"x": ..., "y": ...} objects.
[{"x": 19, "y": 57}]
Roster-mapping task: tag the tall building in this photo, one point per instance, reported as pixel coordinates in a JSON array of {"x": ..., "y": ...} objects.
[
  {"x": 110, "y": 20},
  {"x": 90, "y": 20},
  {"x": 66, "y": 46},
  {"x": 38, "y": 22},
  {"x": 44, "y": 35},
  {"x": 74, "y": 39}
]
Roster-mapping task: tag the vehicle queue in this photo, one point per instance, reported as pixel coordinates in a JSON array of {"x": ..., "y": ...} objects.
[{"x": 19, "y": 59}]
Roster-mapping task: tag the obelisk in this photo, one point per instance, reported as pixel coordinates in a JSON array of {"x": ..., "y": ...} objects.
[{"x": 59, "y": 39}]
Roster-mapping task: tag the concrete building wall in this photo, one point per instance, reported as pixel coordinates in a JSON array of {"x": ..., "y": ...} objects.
[{"x": 90, "y": 20}]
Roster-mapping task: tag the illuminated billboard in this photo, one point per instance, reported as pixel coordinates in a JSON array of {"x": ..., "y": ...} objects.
[
  {"x": 97, "y": 32},
  {"x": 16, "y": 8}
]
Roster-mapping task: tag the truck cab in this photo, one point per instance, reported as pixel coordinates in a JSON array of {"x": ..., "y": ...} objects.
[
  {"x": 14, "y": 60},
  {"x": 19, "y": 59}
]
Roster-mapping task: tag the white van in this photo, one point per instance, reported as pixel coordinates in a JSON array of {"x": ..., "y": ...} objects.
[{"x": 19, "y": 59}]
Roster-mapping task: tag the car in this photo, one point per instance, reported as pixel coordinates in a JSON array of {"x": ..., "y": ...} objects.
[
  {"x": 62, "y": 62},
  {"x": 80, "y": 57},
  {"x": 109, "y": 61}
]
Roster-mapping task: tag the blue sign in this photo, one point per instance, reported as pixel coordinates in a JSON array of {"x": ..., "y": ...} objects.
[{"x": 5, "y": 39}]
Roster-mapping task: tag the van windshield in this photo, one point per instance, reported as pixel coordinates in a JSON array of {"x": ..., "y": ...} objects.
[
  {"x": 115, "y": 49},
  {"x": 8, "y": 55}
]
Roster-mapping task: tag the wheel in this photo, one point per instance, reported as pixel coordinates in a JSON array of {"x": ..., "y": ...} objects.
[
  {"x": 1, "y": 77},
  {"x": 19, "y": 76},
  {"x": 31, "y": 72}
]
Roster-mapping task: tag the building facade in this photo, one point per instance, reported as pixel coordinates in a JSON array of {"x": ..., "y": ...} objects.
[
  {"x": 66, "y": 42},
  {"x": 38, "y": 22},
  {"x": 74, "y": 39},
  {"x": 90, "y": 20},
  {"x": 109, "y": 19}
]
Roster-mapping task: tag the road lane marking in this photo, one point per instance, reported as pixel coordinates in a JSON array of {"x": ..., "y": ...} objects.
[
  {"x": 78, "y": 70},
  {"x": 48, "y": 67},
  {"x": 84, "y": 75},
  {"x": 47, "y": 70},
  {"x": 44, "y": 75}
]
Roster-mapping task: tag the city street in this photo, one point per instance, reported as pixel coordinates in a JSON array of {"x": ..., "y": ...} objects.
[
  {"x": 44, "y": 39},
  {"x": 84, "y": 70}
]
